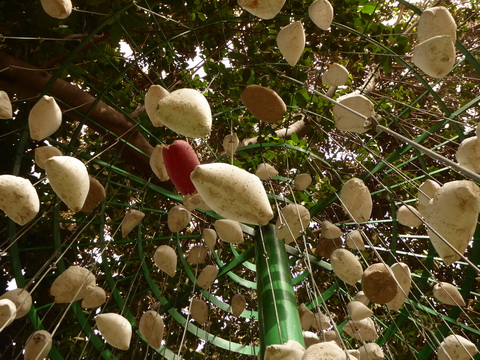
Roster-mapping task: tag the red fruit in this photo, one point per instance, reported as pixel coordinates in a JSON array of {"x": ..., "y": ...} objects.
[{"x": 180, "y": 160}]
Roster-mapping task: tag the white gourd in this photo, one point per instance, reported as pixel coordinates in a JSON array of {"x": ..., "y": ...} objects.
[
  {"x": 360, "y": 296},
  {"x": 229, "y": 231},
  {"x": 291, "y": 42},
  {"x": 291, "y": 350},
  {"x": 330, "y": 231},
  {"x": 18, "y": 199},
  {"x": 44, "y": 118},
  {"x": 207, "y": 276},
  {"x": 354, "y": 240},
  {"x": 43, "y": 153},
  {"x": 8, "y": 310},
  {"x": 264, "y": 9},
  {"x": 356, "y": 199},
  {"x": 448, "y": 294},
  {"x": 154, "y": 94},
  {"x": 266, "y": 171},
  {"x": 94, "y": 297},
  {"x": 346, "y": 266},
  {"x": 115, "y": 329},
  {"x": 233, "y": 193},
  {"x": 403, "y": 276},
  {"x": 327, "y": 350},
  {"x": 436, "y": 21},
  {"x": 302, "y": 181},
  {"x": 194, "y": 201},
  {"x": 307, "y": 317},
  {"x": 69, "y": 179},
  {"x": 166, "y": 259},
  {"x": 321, "y": 321},
  {"x": 321, "y": 13},
  {"x": 407, "y": 215},
  {"x": 346, "y": 120},
  {"x": 210, "y": 238},
  {"x": 426, "y": 191},
  {"x": 336, "y": 75},
  {"x": 152, "y": 327},
  {"x": 238, "y": 304},
  {"x": 178, "y": 218},
  {"x": 358, "y": 310},
  {"x": 22, "y": 300},
  {"x": 456, "y": 347},
  {"x": 72, "y": 285},
  {"x": 38, "y": 345},
  {"x": 468, "y": 154},
  {"x": 363, "y": 330},
  {"x": 157, "y": 164},
  {"x": 132, "y": 218},
  {"x": 58, "y": 9},
  {"x": 199, "y": 310},
  {"x": 292, "y": 221},
  {"x": 371, "y": 351},
  {"x": 230, "y": 143},
  {"x": 6, "y": 111},
  {"x": 435, "y": 56}
]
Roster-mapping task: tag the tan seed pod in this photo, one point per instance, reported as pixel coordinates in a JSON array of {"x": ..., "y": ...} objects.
[
  {"x": 321, "y": 321},
  {"x": 8, "y": 311},
  {"x": 302, "y": 181},
  {"x": 361, "y": 297},
  {"x": 178, "y": 218},
  {"x": 435, "y": 56},
  {"x": 43, "y": 153},
  {"x": 456, "y": 347},
  {"x": 291, "y": 350},
  {"x": 166, "y": 259},
  {"x": 346, "y": 266},
  {"x": 328, "y": 350},
  {"x": 332, "y": 335},
  {"x": 72, "y": 285},
  {"x": 44, "y": 118},
  {"x": 197, "y": 254},
  {"x": 132, "y": 218},
  {"x": 378, "y": 284},
  {"x": 358, "y": 310},
  {"x": 426, "y": 191},
  {"x": 292, "y": 221},
  {"x": 436, "y": 21},
  {"x": 264, "y": 103},
  {"x": 94, "y": 297},
  {"x": 330, "y": 231},
  {"x": 69, "y": 179},
  {"x": 230, "y": 143},
  {"x": 310, "y": 338},
  {"x": 266, "y": 171},
  {"x": 18, "y": 199},
  {"x": 264, "y": 9},
  {"x": 448, "y": 294},
  {"x": 151, "y": 327},
  {"x": 6, "y": 111},
  {"x": 307, "y": 317},
  {"x": 207, "y": 276},
  {"x": 354, "y": 240},
  {"x": 363, "y": 330},
  {"x": 407, "y": 215},
  {"x": 291, "y": 42},
  {"x": 58, "y": 9},
  {"x": 229, "y": 231},
  {"x": 22, "y": 300},
  {"x": 210, "y": 238},
  {"x": 96, "y": 194},
  {"x": 115, "y": 329},
  {"x": 346, "y": 120},
  {"x": 194, "y": 201},
  {"x": 38, "y": 345},
  {"x": 336, "y": 75},
  {"x": 238, "y": 304},
  {"x": 157, "y": 164},
  {"x": 199, "y": 310},
  {"x": 371, "y": 351},
  {"x": 403, "y": 277},
  {"x": 356, "y": 200},
  {"x": 468, "y": 154},
  {"x": 154, "y": 94},
  {"x": 321, "y": 13}
]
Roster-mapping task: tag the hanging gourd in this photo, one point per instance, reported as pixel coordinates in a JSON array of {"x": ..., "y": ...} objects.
[
  {"x": 69, "y": 179},
  {"x": 180, "y": 160},
  {"x": 426, "y": 191},
  {"x": 336, "y": 75},
  {"x": 44, "y": 118},
  {"x": 154, "y": 94},
  {"x": 185, "y": 111},
  {"x": 238, "y": 304},
  {"x": 452, "y": 214},
  {"x": 321, "y": 322},
  {"x": 328, "y": 350},
  {"x": 72, "y": 285},
  {"x": 435, "y": 56},
  {"x": 302, "y": 181},
  {"x": 291, "y": 350},
  {"x": 346, "y": 266},
  {"x": 8, "y": 311},
  {"x": 178, "y": 218},
  {"x": 330, "y": 231},
  {"x": 354, "y": 240},
  {"x": 38, "y": 345},
  {"x": 230, "y": 143},
  {"x": 132, "y": 218},
  {"x": 22, "y": 300},
  {"x": 363, "y": 330},
  {"x": 291, "y": 42},
  {"x": 194, "y": 201},
  {"x": 347, "y": 120},
  {"x": 197, "y": 254},
  {"x": 264, "y": 103},
  {"x": 43, "y": 153},
  {"x": 448, "y": 294},
  {"x": 378, "y": 283},
  {"x": 358, "y": 310},
  {"x": 436, "y": 21},
  {"x": 456, "y": 347},
  {"x": 94, "y": 297},
  {"x": 266, "y": 171},
  {"x": 361, "y": 297},
  {"x": 58, "y": 9},
  {"x": 96, "y": 194},
  {"x": 403, "y": 276},
  {"x": 468, "y": 154},
  {"x": 264, "y": 9},
  {"x": 6, "y": 111},
  {"x": 407, "y": 215},
  {"x": 115, "y": 329},
  {"x": 332, "y": 335},
  {"x": 207, "y": 276},
  {"x": 151, "y": 327},
  {"x": 18, "y": 199},
  {"x": 325, "y": 247},
  {"x": 210, "y": 238},
  {"x": 229, "y": 231},
  {"x": 321, "y": 13},
  {"x": 356, "y": 200},
  {"x": 166, "y": 259},
  {"x": 199, "y": 310},
  {"x": 233, "y": 193},
  {"x": 157, "y": 163},
  {"x": 293, "y": 220},
  {"x": 310, "y": 338},
  {"x": 371, "y": 351},
  {"x": 307, "y": 317}
]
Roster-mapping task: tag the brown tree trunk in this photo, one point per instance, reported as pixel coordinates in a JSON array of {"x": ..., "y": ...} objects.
[{"x": 24, "y": 80}]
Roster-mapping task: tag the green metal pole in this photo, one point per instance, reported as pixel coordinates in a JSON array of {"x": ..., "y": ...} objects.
[{"x": 277, "y": 308}]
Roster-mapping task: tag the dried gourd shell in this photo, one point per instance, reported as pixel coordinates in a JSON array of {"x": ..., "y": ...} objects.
[
  {"x": 307, "y": 317},
  {"x": 354, "y": 240},
  {"x": 8, "y": 311},
  {"x": 356, "y": 200},
  {"x": 456, "y": 347},
  {"x": 346, "y": 266},
  {"x": 151, "y": 327},
  {"x": 264, "y": 103},
  {"x": 403, "y": 277},
  {"x": 407, "y": 215},
  {"x": 321, "y": 13},
  {"x": 96, "y": 194},
  {"x": 178, "y": 218},
  {"x": 293, "y": 220},
  {"x": 264, "y": 9},
  {"x": 347, "y": 120},
  {"x": 199, "y": 310},
  {"x": 132, "y": 218},
  {"x": 116, "y": 330},
  {"x": 207, "y": 276},
  {"x": 166, "y": 259},
  {"x": 378, "y": 283},
  {"x": 436, "y": 21},
  {"x": 302, "y": 181},
  {"x": 238, "y": 304},
  {"x": 43, "y": 153},
  {"x": 328, "y": 350},
  {"x": 194, "y": 201},
  {"x": 197, "y": 254},
  {"x": 371, "y": 351},
  {"x": 230, "y": 143},
  {"x": 18, "y": 199},
  {"x": 94, "y": 297},
  {"x": 468, "y": 154},
  {"x": 6, "y": 111},
  {"x": 266, "y": 171},
  {"x": 426, "y": 191},
  {"x": 363, "y": 330},
  {"x": 58, "y": 9},
  {"x": 44, "y": 118},
  {"x": 291, "y": 350},
  {"x": 22, "y": 300},
  {"x": 435, "y": 56},
  {"x": 358, "y": 310},
  {"x": 229, "y": 231},
  {"x": 291, "y": 42},
  {"x": 154, "y": 94},
  {"x": 361, "y": 297},
  {"x": 336, "y": 75},
  {"x": 38, "y": 345},
  {"x": 321, "y": 321},
  {"x": 330, "y": 231},
  {"x": 210, "y": 238},
  {"x": 448, "y": 294},
  {"x": 72, "y": 285},
  {"x": 157, "y": 164}
]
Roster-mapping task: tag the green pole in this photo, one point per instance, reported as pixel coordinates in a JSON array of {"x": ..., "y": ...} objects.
[{"x": 277, "y": 308}]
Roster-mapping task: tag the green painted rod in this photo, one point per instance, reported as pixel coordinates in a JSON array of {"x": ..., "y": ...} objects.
[{"x": 277, "y": 307}]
